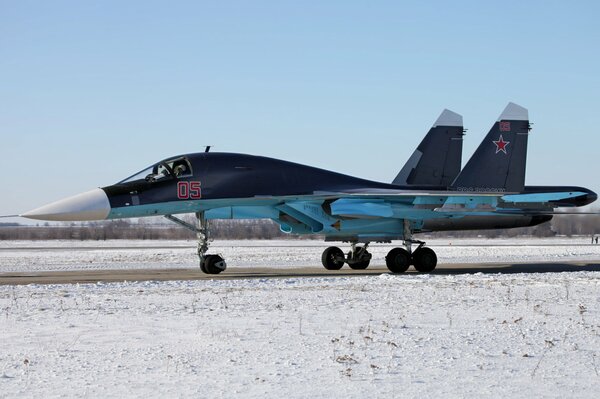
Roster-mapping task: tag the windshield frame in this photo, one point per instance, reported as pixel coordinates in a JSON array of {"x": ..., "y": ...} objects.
[{"x": 150, "y": 173}]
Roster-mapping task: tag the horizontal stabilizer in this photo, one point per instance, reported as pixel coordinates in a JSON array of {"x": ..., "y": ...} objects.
[
  {"x": 541, "y": 197},
  {"x": 549, "y": 212}
]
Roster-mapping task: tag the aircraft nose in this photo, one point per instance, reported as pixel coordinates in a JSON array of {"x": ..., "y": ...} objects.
[{"x": 91, "y": 205}]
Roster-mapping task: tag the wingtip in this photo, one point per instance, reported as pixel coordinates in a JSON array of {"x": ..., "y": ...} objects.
[
  {"x": 514, "y": 112},
  {"x": 449, "y": 118}
]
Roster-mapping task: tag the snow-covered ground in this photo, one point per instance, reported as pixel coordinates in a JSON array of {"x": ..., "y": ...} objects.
[
  {"x": 457, "y": 335},
  {"x": 127, "y": 254},
  {"x": 471, "y": 335}
]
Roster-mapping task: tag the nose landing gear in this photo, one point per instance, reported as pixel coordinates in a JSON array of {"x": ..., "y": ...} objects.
[{"x": 209, "y": 264}]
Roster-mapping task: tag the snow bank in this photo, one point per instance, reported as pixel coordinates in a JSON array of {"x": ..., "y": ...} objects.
[{"x": 376, "y": 336}]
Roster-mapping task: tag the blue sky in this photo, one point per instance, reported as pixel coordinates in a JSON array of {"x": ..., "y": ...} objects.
[{"x": 92, "y": 92}]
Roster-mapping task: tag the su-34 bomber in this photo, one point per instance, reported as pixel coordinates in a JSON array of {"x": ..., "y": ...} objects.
[{"x": 430, "y": 193}]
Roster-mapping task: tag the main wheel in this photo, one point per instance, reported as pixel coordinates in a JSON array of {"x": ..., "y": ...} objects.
[
  {"x": 333, "y": 258},
  {"x": 214, "y": 264},
  {"x": 360, "y": 265},
  {"x": 398, "y": 260},
  {"x": 425, "y": 260}
]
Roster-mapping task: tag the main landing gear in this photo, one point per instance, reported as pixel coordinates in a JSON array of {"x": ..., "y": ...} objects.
[
  {"x": 209, "y": 264},
  {"x": 358, "y": 258},
  {"x": 398, "y": 260}
]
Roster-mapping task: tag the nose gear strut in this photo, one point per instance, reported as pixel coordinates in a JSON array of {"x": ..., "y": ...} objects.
[{"x": 209, "y": 264}]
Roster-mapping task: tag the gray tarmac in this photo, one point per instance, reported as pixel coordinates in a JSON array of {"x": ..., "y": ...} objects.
[{"x": 107, "y": 276}]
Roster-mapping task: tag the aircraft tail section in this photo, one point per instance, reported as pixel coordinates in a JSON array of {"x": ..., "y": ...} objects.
[
  {"x": 437, "y": 159},
  {"x": 498, "y": 164}
]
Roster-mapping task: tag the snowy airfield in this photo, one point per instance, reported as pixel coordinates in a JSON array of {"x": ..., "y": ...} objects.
[
  {"x": 29, "y": 256},
  {"x": 457, "y": 335}
]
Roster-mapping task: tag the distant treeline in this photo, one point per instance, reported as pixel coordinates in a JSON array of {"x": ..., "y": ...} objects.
[
  {"x": 124, "y": 229},
  {"x": 150, "y": 229}
]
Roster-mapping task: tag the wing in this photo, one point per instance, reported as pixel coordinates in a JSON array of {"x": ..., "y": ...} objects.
[{"x": 382, "y": 214}]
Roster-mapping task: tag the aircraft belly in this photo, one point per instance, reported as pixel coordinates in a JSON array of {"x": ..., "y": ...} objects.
[
  {"x": 158, "y": 209},
  {"x": 372, "y": 226},
  {"x": 242, "y": 212},
  {"x": 479, "y": 222}
]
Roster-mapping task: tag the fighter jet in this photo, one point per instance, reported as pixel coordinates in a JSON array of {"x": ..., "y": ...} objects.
[{"x": 429, "y": 194}]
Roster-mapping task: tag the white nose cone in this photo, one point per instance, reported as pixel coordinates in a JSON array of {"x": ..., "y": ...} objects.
[{"x": 91, "y": 205}]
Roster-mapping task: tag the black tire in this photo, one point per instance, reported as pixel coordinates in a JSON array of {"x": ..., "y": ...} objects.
[
  {"x": 332, "y": 258},
  {"x": 202, "y": 266},
  {"x": 360, "y": 265},
  {"x": 425, "y": 260},
  {"x": 398, "y": 260},
  {"x": 211, "y": 264}
]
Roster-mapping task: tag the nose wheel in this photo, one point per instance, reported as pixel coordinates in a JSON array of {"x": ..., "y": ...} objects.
[{"x": 213, "y": 264}]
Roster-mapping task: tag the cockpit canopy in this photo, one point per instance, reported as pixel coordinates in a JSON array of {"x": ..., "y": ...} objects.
[{"x": 174, "y": 168}]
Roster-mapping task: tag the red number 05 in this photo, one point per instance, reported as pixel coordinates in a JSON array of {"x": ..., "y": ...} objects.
[{"x": 189, "y": 190}]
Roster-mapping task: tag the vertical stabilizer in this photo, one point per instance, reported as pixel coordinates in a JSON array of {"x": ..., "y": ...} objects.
[
  {"x": 498, "y": 164},
  {"x": 437, "y": 160}
]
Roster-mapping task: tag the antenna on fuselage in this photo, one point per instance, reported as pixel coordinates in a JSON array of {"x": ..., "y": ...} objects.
[{"x": 207, "y": 149}]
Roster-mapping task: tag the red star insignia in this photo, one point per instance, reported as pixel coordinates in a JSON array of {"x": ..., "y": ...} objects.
[{"x": 501, "y": 145}]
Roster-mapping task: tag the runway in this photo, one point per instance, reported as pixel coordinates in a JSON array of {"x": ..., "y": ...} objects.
[{"x": 107, "y": 276}]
